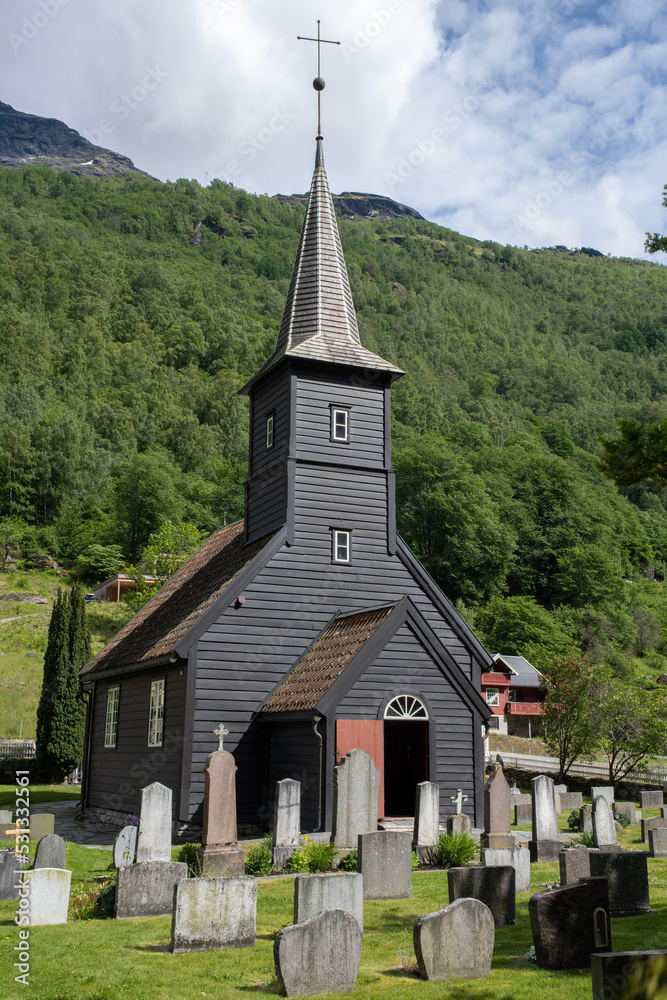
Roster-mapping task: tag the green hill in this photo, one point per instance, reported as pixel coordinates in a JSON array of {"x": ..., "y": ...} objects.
[{"x": 131, "y": 312}]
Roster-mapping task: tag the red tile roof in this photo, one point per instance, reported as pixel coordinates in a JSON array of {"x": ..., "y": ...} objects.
[
  {"x": 325, "y": 661},
  {"x": 180, "y": 602}
]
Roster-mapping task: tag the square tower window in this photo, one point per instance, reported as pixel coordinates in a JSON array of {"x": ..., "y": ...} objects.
[
  {"x": 340, "y": 424},
  {"x": 111, "y": 727},
  {"x": 341, "y": 546},
  {"x": 156, "y": 714},
  {"x": 269, "y": 431}
]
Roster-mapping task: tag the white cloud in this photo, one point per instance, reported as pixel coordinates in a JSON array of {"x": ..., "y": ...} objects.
[{"x": 517, "y": 94}]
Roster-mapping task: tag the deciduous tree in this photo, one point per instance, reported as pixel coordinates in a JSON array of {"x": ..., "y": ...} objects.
[{"x": 569, "y": 724}]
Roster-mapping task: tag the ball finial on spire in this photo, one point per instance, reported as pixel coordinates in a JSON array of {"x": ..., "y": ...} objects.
[{"x": 318, "y": 83}]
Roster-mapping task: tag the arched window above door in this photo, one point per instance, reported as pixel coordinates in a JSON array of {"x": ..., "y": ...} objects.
[{"x": 405, "y": 706}]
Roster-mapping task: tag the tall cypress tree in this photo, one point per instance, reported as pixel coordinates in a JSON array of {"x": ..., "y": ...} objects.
[{"x": 61, "y": 712}]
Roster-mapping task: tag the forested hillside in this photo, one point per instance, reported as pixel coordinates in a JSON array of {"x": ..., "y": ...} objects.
[{"x": 131, "y": 312}]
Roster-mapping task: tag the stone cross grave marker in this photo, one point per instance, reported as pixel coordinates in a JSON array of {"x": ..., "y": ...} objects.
[
  {"x": 356, "y": 782},
  {"x": 286, "y": 820},
  {"x": 220, "y": 852}
]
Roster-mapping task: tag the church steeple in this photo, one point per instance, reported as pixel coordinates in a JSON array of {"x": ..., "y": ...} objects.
[{"x": 319, "y": 322}]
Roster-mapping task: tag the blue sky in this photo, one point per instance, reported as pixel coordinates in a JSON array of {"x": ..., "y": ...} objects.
[{"x": 528, "y": 122}]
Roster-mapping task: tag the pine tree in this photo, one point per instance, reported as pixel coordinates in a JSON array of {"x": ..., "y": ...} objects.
[{"x": 61, "y": 712}]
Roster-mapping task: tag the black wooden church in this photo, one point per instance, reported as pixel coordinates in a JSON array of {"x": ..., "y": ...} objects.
[{"x": 309, "y": 628}]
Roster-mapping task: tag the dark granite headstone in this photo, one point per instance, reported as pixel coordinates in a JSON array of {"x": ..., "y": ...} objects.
[
  {"x": 574, "y": 864},
  {"x": 569, "y": 923},
  {"x": 10, "y": 875},
  {"x": 495, "y": 887},
  {"x": 627, "y": 878},
  {"x": 629, "y": 975}
]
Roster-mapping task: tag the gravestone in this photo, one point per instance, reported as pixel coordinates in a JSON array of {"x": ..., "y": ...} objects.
[
  {"x": 628, "y": 808},
  {"x": 320, "y": 955},
  {"x": 385, "y": 862},
  {"x": 51, "y": 852},
  {"x": 10, "y": 874},
  {"x": 455, "y": 943},
  {"x": 6, "y": 817},
  {"x": 517, "y": 857},
  {"x": 495, "y": 887},
  {"x": 545, "y": 844},
  {"x": 48, "y": 895},
  {"x": 521, "y": 799},
  {"x": 286, "y": 821},
  {"x": 654, "y": 823},
  {"x": 560, "y": 789},
  {"x": 657, "y": 842},
  {"x": 663, "y": 812},
  {"x": 523, "y": 815},
  {"x": 146, "y": 889},
  {"x": 497, "y": 811},
  {"x": 459, "y": 823},
  {"x": 329, "y": 891},
  {"x": 125, "y": 847},
  {"x": 220, "y": 852},
  {"x": 607, "y": 792},
  {"x": 629, "y": 975},
  {"x": 41, "y": 825},
  {"x": 154, "y": 836},
  {"x": 586, "y": 819},
  {"x": 427, "y": 822},
  {"x": 570, "y": 801},
  {"x": 569, "y": 923},
  {"x": 604, "y": 830},
  {"x": 211, "y": 913},
  {"x": 574, "y": 863},
  {"x": 651, "y": 800},
  {"x": 356, "y": 784},
  {"x": 627, "y": 880}
]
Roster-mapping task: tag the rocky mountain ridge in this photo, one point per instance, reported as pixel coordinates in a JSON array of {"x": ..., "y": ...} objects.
[{"x": 29, "y": 139}]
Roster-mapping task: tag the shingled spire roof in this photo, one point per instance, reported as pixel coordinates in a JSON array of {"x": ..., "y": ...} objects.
[{"x": 319, "y": 322}]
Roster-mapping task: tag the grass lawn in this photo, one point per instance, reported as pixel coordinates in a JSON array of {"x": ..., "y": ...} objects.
[
  {"x": 40, "y": 793},
  {"x": 129, "y": 959}
]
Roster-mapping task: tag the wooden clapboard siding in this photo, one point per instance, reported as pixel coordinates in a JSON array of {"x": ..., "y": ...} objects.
[
  {"x": 293, "y": 752},
  {"x": 118, "y": 774},
  {"x": 271, "y": 396},
  {"x": 266, "y": 503},
  {"x": 315, "y": 396},
  {"x": 405, "y": 667}
]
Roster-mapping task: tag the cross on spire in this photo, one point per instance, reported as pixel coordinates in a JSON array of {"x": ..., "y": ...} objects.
[
  {"x": 318, "y": 82},
  {"x": 221, "y": 732}
]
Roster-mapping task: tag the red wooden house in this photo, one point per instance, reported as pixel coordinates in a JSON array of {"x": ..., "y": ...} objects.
[{"x": 514, "y": 693}]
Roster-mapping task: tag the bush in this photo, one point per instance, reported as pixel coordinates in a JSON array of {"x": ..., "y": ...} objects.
[
  {"x": 188, "y": 853},
  {"x": 573, "y": 820},
  {"x": 298, "y": 863},
  {"x": 623, "y": 819},
  {"x": 320, "y": 856},
  {"x": 415, "y": 860},
  {"x": 349, "y": 862},
  {"x": 96, "y": 902},
  {"x": 585, "y": 839},
  {"x": 259, "y": 859},
  {"x": 457, "y": 849}
]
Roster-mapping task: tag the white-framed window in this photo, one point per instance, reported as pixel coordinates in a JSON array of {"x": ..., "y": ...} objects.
[
  {"x": 340, "y": 424},
  {"x": 406, "y": 706},
  {"x": 111, "y": 726},
  {"x": 269, "y": 431},
  {"x": 156, "y": 714},
  {"x": 492, "y": 697},
  {"x": 341, "y": 546}
]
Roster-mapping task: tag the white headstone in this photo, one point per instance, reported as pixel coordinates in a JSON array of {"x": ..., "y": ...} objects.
[
  {"x": 518, "y": 858},
  {"x": 125, "y": 847},
  {"x": 154, "y": 837},
  {"x": 356, "y": 782},
  {"x": 427, "y": 814},
  {"x": 47, "y": 894},
  {"x": 545, "y": 812},
  {"x": 212, "y": 913},
  {"x": 604, "y": 831},
  {"x": 328, "y": 891},
  {"x": 287, "y": 813},
  {"x": 607, "y": 792}
]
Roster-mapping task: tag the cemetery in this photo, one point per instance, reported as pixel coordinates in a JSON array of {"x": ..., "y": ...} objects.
[{"x": 151, "y": 918}]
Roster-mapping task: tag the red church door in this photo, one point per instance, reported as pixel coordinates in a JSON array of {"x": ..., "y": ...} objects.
[{"x": 363, "y": 734}]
